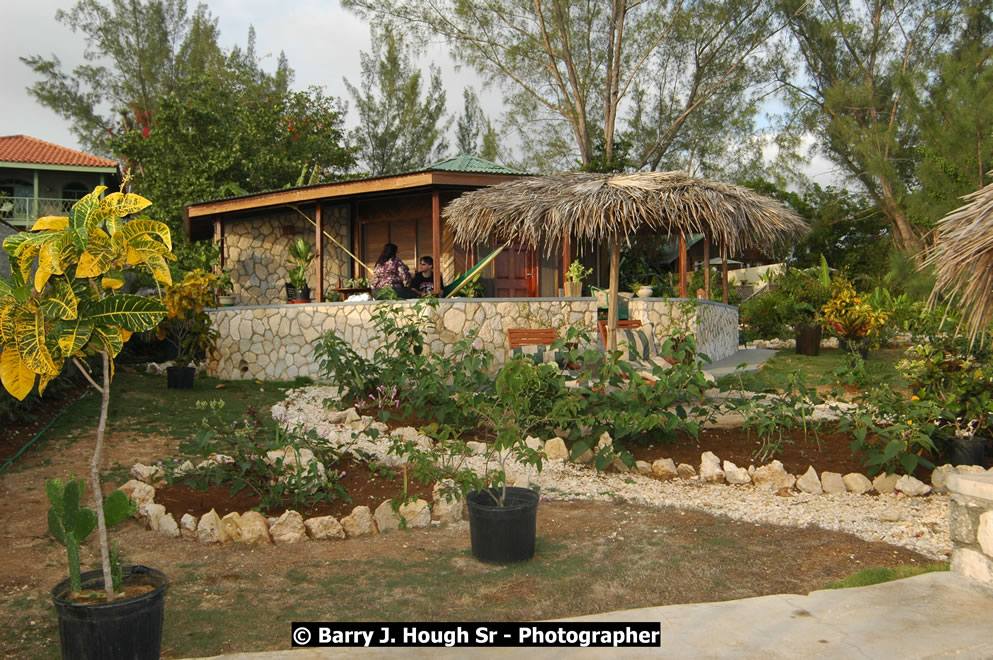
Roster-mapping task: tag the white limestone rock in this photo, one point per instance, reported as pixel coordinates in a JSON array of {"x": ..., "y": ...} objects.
[
  {"x": 147, "y": 473},
  {"x": 359, "y": 522},
  {"x": 985, "y": 532},
  {"x": 254, "y": 528},
  {"x": 833, "y": 483},
  {"x": 288, "y": 529},
  {"x": 885, "y": 484},
  {"x": 912, "y": 487},
  {"x": 477, "y": 448},
  {"x": 447, "y": 508},
  {"x": 664, "y": 469},
  {"x": 231, "y": 527},
  {"x": 710, "y": 468},
  {"x": 139, "y": 492},
  {"x": 604, "y": 441},
  {"x": 534, "y": 443},
  {"x": 188, "y": 526},
  {"x": 856, "y": 483},
  {"x": 685, "y": 471},
  {"x": 210, "y": 530},
  {"x": 810, "y": 482},
  {"x": 152, "y": 513},
  {"x": 736, "y": 475},
  {"x": 167, "y": 525},
  {"x": 324, "y": 527},
  {"x": 555, "y": 450},
  {"x": 643, "y": 467},
  {"x": 773, "y": 477},
  {"x": 386, "y": 518},
  {"x": 416, "y": 513}
]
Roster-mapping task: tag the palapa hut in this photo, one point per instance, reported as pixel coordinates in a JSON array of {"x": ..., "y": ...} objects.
[
  {"x": 616, "y": 208},
  {"x": 963, "y": 258}
]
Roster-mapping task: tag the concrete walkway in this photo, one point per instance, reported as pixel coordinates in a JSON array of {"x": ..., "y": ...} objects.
[{"x": 936, "y": 615}]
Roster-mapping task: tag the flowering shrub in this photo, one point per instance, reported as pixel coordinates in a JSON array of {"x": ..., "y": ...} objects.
[{"x": 848, "y": 315}]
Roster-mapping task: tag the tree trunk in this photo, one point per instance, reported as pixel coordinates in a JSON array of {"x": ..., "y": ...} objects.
[{"x": 108, "y": 582}]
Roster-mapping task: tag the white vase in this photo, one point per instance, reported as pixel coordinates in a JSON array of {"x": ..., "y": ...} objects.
[{"x": 645, "y": 292}]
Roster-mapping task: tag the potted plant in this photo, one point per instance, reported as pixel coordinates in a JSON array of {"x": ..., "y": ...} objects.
[
  {"x": 67, "y": 311},
  {"x": 187, "y": 326},
  {"x": 574, "y": 277},
  {"x": 851, "y": 318},
  {"x": 641, "y": 290},
  {"x": 301, "y": 255}
]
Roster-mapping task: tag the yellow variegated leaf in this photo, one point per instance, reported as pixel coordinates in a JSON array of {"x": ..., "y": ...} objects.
[
  {"x": 98, "y": 257},
  {"x": 7, "y": 321},
  {"x": 51, "y": 222},
  {"x": 30, "y": 337},
  {"x": 82, "y": 211},
  {"x": 47, "y": 265},
  {"x": 45, "y": 379},
  {"x": 61, "y": 303},
  {"x": 123, "y": 205},
  {"x": 143, "y": 228},
  {"x": 135, "y": 313},
  {"x": 111, "y": 283},
  {"x": 17, "y": 378},
  {"x": 109, "y": 339},
  {"x": 72, "y": 336},
  {"x": 159, "y": 268},
  {"x": 125, "y": 334}
]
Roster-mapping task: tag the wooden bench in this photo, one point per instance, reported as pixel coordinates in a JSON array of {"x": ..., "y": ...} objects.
[
  {"x": 518, "y": 337},
  {"x": 632, "y": 324}
]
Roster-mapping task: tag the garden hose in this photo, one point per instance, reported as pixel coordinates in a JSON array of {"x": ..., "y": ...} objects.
[{"x": 42, "y": 432}]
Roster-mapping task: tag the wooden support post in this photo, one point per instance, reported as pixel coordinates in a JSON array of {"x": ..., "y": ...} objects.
[
  {"x": 724, "y": 271},
  {"x": 682, "y": 266},
  {"x": 436, "y": 240},
  {"x": 219, "y": 239},
  {"x": 566, "y": 257},
  {"x": 613, "y": 293},
  {"x": 706, "y": 267},
  {"x": 319, "y": 245}
]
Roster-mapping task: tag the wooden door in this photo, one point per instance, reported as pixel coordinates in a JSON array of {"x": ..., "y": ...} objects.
[{"x": 515, "y": 273}]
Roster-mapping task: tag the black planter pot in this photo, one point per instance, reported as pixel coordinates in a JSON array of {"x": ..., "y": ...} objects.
[
  {"x": 808, "y": 339},
  {"x": 180, "y": 378},
  {"x": 965, "y": 451},
  {"x": 126, "y": 628},
  {"x": 304, "y": 293},
  {"x": 503, "y": 535},
  {"x": 291, "y": 292}
]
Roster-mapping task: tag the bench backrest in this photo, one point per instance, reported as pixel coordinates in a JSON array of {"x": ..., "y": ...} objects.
[
  {"x": 518, "y": 337},
  {"x": 632, "y": 324}
]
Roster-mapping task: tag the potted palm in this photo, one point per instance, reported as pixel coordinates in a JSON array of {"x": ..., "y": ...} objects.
[
  {"x": 301, "y": 253},
  {"x": 70, "y": 309},
  {"x": 573, "y": 285}
]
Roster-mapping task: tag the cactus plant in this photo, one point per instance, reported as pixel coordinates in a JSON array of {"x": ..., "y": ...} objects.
[{"x": 70, "y": 524}]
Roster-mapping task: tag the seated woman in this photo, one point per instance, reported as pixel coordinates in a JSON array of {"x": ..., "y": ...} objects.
[
  {"x": 423, "y": 282},
  {"x": 391, "y": 273}
]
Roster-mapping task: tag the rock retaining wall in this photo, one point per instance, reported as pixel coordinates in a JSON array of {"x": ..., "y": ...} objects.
[
  {"x": 276, "y": 342},
  {"x": 971, "y": 525}
]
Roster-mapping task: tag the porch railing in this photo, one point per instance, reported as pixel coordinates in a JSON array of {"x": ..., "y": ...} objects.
[{"x": 23, "y": 211}]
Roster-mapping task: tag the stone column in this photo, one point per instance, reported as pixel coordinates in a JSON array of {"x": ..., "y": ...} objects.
[{"x": 971, "y": 525}]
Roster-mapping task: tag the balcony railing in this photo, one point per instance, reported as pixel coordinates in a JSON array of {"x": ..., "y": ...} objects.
[{"x": 23, "y": 211}]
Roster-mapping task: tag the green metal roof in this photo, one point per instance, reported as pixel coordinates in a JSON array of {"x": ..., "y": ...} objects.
[{"x": 467, "y": 163}]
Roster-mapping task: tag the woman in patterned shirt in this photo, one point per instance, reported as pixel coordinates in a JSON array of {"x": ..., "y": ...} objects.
[{"x": 390, "y": 272}]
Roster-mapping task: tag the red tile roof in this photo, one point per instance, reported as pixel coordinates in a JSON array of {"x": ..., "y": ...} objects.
[{"x": 26, "y": 149}]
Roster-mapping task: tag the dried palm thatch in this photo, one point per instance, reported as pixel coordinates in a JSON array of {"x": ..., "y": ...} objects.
[
  {"x": 538, "y": 211},
  {"x": 962, "y": 256}
]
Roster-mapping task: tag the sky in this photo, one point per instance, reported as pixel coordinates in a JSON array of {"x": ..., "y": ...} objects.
[{"x": 321, "y": 40}]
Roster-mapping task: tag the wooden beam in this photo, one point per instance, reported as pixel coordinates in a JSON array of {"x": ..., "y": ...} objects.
[
  {"x": 436, "y": 240},
  {"x": 319, "y": 244},
  {"x": 682, "y": 266},
  {"x": 613, "y": 292},
  {"x": 706, "y": 266},
  {"x": 219, "y": 238}
]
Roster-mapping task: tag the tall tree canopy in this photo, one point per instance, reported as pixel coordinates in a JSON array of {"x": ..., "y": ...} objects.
[
  {"x": 868, "y": 68},
  {"x": 137, "y": 52},
  {"x": 398, "y": 130},
  {"x": 567, "y": 65}
]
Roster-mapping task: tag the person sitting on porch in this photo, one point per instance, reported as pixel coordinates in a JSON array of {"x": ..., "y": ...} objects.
[
  {"x": 391, "y": 273},
  {"x": 423, "y": 282}
]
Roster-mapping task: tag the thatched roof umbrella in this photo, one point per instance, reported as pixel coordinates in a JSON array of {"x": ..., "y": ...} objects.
[
  {"x": 963, "y": 258},
  {"x": 613, "y": 207}
]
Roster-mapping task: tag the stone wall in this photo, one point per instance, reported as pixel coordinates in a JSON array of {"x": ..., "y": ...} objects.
[
  {"x": 971, "y": 525},
  {"x": 276, "y": 342},
  {"x": 256, "y": 250}
]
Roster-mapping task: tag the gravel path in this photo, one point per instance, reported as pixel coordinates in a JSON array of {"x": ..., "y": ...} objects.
[{"x": 916, "y": 523}]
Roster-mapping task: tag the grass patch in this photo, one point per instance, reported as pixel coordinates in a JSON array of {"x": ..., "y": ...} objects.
[
  {"x": 870, "y": 576},
  {"x": 818, "y": 370}
]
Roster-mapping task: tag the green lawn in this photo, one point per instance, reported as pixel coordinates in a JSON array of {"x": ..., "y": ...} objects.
[{"x": 819, "y": 370}]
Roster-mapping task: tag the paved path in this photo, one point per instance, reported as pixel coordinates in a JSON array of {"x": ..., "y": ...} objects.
[
  {"x": 936, "y": 615},
  {"x": 752, "y": 358}
]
